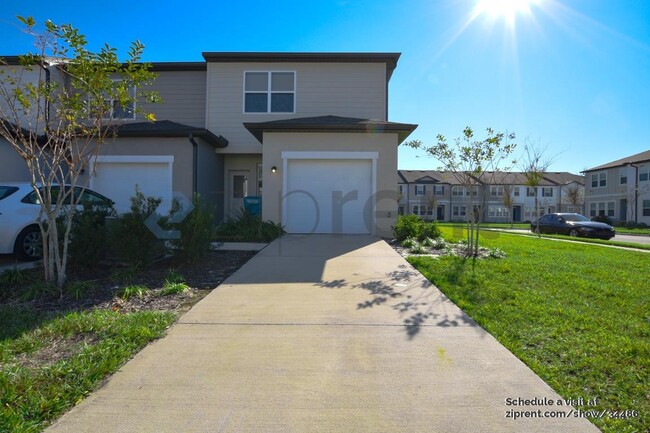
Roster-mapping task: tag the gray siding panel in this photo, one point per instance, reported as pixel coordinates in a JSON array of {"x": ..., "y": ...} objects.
[
  {"x": 12, "y": 167},
  {"x": 183, "y": 97},
  {"x": 341, "y": 89}
]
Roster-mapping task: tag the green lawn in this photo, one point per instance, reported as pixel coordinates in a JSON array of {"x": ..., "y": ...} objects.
[
  {"x": 49, "y": 362},
  {"x": 619, "y": 230},
  {"x": 577, "y": 314}
]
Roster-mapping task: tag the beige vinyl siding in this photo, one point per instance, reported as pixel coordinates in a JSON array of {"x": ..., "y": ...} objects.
[
  {"x": 612, "y": 187},
  {"x": 340, "y": 89},
  {"x": 183, "y": 97}
]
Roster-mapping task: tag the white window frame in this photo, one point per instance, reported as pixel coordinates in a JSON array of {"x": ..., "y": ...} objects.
[
  {"x": 415, "y": 210},
  {"x": 515, "y": 191},
  {"x": 439, "y": 190},
  {"x": 420, "y": 189},
  {"x": 111, "y": 104},
  {"x": 530, "y": 189},
  {"x": 458, "y": 211},
  {"x": 457, "y": 191},
  {"x": 644, "y": 170},
  {"x": 611, "y": 209},
  {"x": 268, "y": 91},
  {"x": 621, "y": 177},
  {"x": 645, "y": 210},
  {"x": 496, "y": 191},
  {"x": 600, "y": 179},
  {"x": 547, "y": 191}
]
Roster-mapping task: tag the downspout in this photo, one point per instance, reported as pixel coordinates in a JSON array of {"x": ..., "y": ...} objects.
[
  {"x": 195, "y": 163},
  {"x": 47, "y": 101}
]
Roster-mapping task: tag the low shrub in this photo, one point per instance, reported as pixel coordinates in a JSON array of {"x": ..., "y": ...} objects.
[
  {"x": 129, "y": 292},
  {"x": 246, "y": 227},
  {"x": 88, "y": 238},
  {"x": 602, "y": 219},
  {"x": 197, "y": 231},
  {"x": 411, "y": 226},
  {"x": 130, "y": 239}
]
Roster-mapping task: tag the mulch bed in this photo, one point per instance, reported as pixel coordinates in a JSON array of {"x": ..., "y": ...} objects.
[{"x": 106, "y": 281}]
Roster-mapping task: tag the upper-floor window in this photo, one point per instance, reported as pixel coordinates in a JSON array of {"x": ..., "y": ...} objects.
[
  {"x": 547, "y": 191},
  {"x": 269, "y": 92},
  {"x": 420, "y": 189},
  {"x": 599, "y": 180},
  {"x": 531, "y": 192},
  {"x": 623, "y": 179},
  {"x": 457, "y": 191},
  {"x": 112, "y": 108},
  {"x": 401, "y": 189},
  {"x": 439, "y": 190},
  {"x": 496, "y": 191},
  {"x": 516, "y": 191},
  {"x": 644, "y": 173}
]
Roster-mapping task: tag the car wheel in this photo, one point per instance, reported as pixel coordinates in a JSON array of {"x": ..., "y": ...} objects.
[
  {"x": 573, "y": 233},
  {"x": 29, "y": 244}
]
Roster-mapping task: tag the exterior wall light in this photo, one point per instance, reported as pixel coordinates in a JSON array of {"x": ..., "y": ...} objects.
[{"x": 274, "y": 169}]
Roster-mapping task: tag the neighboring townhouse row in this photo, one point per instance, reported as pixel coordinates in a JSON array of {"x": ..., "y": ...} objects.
[
  {"x": 502, "y": 196},
  {"x": 620, "y": 189},
  {"x": 307, "y": 132}
]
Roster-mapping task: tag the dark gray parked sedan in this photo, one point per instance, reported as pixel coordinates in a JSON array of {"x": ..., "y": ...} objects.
[{"x": 573, "y": 224}]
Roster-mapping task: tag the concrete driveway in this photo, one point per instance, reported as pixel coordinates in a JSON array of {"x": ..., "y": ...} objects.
[{"x": 323, "y": 333}]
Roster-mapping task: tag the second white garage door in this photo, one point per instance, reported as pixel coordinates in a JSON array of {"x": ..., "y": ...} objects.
[
  {"x": 116, "y": 178},
  {"x": 328, "y": 196}
]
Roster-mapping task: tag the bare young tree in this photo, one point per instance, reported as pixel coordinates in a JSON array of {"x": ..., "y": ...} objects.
[
  {"x": 575, "y": 195},
  {"x": 57, "y": 107},
  {"x": 508, "y": 201},
  {"x": 472, "y": 162},
  {"x": 534, "y": 165}
]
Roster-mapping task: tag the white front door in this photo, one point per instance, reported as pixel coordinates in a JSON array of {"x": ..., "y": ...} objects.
[{"x": 238, "y": 190}]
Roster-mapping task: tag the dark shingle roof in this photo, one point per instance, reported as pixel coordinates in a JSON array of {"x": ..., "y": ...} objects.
[
  {"x": 167, "y": 128},
  {"x": 390, "y": 59},
  {"x": 329, "y": 124},
  {"x": 639, "y": 157},
  {"x": 493, "y": 178}
]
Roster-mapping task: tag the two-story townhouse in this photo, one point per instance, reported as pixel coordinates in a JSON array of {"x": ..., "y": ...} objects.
[
  {"x": 620, "y": 189},
  {"x": 501, "y": 196},
  {"x": 425, "y": 193},
  {"x": 308, "y": 132},
  {"x": 176, "y": 154}
]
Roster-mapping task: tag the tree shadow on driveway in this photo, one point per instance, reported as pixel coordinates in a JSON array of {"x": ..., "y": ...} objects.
[{"x": 416, "y": 301}]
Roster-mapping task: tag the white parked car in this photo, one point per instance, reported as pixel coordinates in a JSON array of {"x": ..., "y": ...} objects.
[{"x": 19, "y": 209}]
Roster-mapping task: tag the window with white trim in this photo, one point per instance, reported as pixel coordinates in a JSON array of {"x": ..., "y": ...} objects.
[
  {"x": 593, "y": 210},
  {"x": 420, "y": 189},
  {"x": 269, "y": 92},
  {"x": 516, "y": 191},
  {"x": 498, "y": 211},
  {"x": 531, "y": 192},
  {"x": 423, "y": 210},
  {"x": 623, "y": 179},
  {"x": 646, "y": 207},
  {"x": 496, "y": 191},
  {"x": 611, "y": 209},
  {"x": 416, "y": 209},
  {"x": 644, "y": 173},
  {"x": 547, "y": 191},
  {"x": 439, "y": 189},
  {"x": 458, "y": 211},
  {"x": 114, "y": 110},
  {"x": 599, "y": 180},
  {"x": 457, "y": 191}
]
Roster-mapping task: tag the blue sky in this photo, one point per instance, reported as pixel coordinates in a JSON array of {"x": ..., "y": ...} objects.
[{"x": 570, "y": 75}]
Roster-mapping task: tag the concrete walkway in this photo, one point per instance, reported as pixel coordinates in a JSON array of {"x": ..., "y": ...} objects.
[{"x": 322, "y": 333}]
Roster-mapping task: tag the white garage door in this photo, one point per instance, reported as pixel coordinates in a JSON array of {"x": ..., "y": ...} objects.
[
  {"x": 116, "y": 178},
  {"x": 328, "y": 196}
]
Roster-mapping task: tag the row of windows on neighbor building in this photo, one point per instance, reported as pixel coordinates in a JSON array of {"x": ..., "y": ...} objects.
[
  {"x": 461, "y": 191},
  {"x": 599, "y": 180},
  {"x": 493, "y": 211},
  {"x": 608, "y": 209}
]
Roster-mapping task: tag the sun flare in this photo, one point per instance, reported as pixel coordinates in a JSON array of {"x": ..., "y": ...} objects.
[{"x": 505, "y": 9}]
